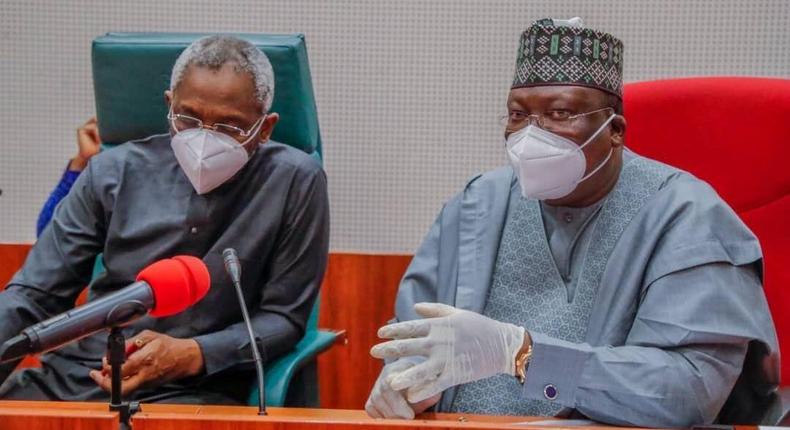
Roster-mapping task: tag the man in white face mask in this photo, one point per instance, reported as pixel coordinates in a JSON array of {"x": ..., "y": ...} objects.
[
  {"x": 216, "y": 122},
  {"x": 215, "y": 181},
  {"x": 581, "y": 280}
]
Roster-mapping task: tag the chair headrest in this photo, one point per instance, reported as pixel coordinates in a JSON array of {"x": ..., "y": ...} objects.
[{"x": 729, "y": 131}]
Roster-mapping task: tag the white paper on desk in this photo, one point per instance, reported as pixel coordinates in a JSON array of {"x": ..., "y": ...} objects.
[{"x": 559, "y": 423}]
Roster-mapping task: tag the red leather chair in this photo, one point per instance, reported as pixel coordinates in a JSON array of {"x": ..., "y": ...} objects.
[{"x": 734, "y": 133}]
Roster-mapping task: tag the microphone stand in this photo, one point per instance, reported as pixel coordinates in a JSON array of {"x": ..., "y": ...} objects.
[
  {"x": 233, "y": 267},
  {"x": 116, "y": 356},
  {"x": 256, "y": 355}
]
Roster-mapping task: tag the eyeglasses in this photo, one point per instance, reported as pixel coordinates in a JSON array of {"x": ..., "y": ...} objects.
[
  {"x": 553, "y": 119},
  {"x": 184, "y": 122}
]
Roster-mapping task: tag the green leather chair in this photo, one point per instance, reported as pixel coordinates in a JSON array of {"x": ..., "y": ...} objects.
[{"x": 131, "y": 71}]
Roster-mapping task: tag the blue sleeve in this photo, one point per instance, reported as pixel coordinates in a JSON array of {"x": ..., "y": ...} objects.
[{"x": 60, "y": 191}]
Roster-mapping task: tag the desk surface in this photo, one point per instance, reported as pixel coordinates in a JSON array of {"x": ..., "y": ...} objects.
[{"x": 28, "y": 415}]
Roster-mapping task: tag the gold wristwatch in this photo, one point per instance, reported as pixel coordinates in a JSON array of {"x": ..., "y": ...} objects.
[{"x": 522, "y": 362}]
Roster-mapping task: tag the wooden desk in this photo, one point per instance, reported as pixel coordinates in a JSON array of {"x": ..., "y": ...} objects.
[
  {"x": 165, "y": 417},
  {"x": 23, "y": 415},
  {"x": 56, "y": 416}
]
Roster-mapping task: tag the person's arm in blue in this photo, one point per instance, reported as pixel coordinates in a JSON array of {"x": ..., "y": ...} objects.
[
  {"x": 88, "y": 143},
  {"x": 60, "y": 191}
]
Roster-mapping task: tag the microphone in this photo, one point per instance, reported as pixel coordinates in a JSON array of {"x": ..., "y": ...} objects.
[
  {"x": 233, "y": 267},
  {"x": 164, "y": 288}
]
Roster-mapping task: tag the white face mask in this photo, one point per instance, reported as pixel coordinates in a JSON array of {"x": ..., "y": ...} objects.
[
  {"x": 549, "y": 166},
  {"x": 209, "y": 158}
]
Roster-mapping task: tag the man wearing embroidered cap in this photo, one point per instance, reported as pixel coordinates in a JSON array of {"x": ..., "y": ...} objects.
[{"x": 582, "y": 279}]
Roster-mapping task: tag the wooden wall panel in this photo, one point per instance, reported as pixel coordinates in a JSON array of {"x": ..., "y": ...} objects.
[
  {"x": 12, "y": 255},
  {"x": 358, "y": 296}
]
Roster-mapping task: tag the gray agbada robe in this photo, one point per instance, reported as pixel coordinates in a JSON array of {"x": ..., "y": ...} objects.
[
  {"x": 136, "y": 205},
  {"x": 678, "y": 313}
]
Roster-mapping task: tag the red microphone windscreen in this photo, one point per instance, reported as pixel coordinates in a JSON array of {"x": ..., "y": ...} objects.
[
  {"x": 200, "y": 277},
  {"x": 177, "y": 283}
]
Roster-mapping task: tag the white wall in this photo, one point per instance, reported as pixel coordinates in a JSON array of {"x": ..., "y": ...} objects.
[{"x": 408, "y": 91}]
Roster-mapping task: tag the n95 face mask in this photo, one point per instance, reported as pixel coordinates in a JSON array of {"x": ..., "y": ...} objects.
[
  {"x": 547, "y": 165},
  {"x": 209, "y": 158}
]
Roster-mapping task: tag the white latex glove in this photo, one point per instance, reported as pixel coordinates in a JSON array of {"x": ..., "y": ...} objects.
[
  {"x": 460, "y": 346},
  {"x": 385, "y": 402}
]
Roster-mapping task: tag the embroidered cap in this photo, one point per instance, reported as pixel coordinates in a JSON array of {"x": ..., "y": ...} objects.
[{"x": 564, "y": 52}]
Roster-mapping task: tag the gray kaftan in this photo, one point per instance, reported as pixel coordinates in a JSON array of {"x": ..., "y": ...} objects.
[{"x": 677, "y": 311}]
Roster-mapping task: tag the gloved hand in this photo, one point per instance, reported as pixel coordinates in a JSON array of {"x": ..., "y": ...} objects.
[
  {"x": 460, "y": 346},
  {"x": 384, "y": 402}
]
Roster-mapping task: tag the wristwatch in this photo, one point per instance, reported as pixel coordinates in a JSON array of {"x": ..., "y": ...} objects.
[{"x": 522, "y": 363}]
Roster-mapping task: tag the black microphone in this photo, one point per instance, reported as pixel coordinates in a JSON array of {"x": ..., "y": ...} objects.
[
  {"x": 233, "y": 267},
  {"x": 164, "y": 288},
  {"x": 116, "y": 309}
]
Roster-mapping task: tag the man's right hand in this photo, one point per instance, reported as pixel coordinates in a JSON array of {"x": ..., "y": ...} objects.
[{"x": 384, "y": 402}]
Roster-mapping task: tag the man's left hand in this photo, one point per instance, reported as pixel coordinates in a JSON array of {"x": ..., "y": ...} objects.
[
  {"x": 159, "y": 359},
  {"x": 460, "y": 347}
]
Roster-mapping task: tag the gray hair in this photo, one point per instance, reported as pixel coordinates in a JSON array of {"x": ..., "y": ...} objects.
[{"x": 215, "y": 51}]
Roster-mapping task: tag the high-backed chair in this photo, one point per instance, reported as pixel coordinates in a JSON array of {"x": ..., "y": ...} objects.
[
  {"x": 734, "y": 133},
  {"x": 131, "y": 71}
]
